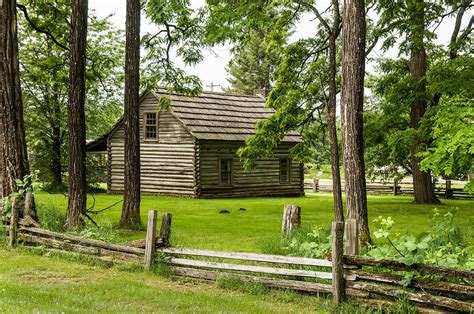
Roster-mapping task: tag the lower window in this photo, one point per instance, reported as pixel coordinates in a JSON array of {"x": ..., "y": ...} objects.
[
  {"x": 225, "y": 172},
  {"x": 285, "y": 166}
]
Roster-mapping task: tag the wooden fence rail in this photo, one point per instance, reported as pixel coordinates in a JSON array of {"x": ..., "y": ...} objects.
[
  {"x": 316, "y": 185},
  {"x": 362, "y": 277}
]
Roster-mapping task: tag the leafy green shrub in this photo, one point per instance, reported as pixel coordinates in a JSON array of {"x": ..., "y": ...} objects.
[
  {"x": 443, "y": 244},
  {"x": 28, "y": 184},
  {"x": 314, "y": 243},
  {"x": 311, "y": 242},
  {"x": 104, "y": 232}
]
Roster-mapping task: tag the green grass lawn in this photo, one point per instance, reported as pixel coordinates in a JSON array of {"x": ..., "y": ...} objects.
[
  {"x": 198, "y": 224},
  {"x": 33, "y": 283}
]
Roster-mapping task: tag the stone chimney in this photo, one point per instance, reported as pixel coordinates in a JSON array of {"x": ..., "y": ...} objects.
[{"x": 262, "y": 92}]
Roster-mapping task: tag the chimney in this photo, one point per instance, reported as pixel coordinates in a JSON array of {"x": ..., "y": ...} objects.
[{"x": 262, "y": 92}]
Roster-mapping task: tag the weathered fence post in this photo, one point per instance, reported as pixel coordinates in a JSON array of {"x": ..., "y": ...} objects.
[
  {"x": 395, "y": 187},
  {"x": 315, "y": 185},
  {"x": 448, "y": 192},
  {"x": 338, "y": 284},
  {"x": 165, "y": 229},
  {"x": 291, "y": 220},
  {"x": 150, "y": 241},
  {"x": 30, "y": 206},
  {"x": 13, "y": 232},
  {"x": 351, "y": 238}
]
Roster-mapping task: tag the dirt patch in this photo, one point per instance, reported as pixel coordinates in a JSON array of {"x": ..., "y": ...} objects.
[{"x": 44, "y": 277}]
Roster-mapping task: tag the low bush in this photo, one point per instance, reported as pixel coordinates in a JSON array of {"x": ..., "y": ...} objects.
[
  {"x": 443, "y": 244},
  {"x": 313, "y": 242}
]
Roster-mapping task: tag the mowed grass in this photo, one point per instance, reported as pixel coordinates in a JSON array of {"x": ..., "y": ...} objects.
[
  {"x": 32, "y": 283},
  {"x": 197, "y": 223}
]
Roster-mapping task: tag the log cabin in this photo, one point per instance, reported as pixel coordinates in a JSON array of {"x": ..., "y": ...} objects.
[{"x": 190, "y": 149}]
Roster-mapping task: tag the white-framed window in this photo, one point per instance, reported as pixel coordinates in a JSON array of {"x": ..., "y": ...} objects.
[{"x": 150, "y": 126}]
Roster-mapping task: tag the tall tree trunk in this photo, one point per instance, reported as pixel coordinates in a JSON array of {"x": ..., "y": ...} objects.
[
  {"x": 422, "y": 182},
  {"x": 76, "y": 119},
  {"x": 331, "y": 119},
  {"x": 12, "y": 136},
  {"x": 56, "y": 167},
  {"x": 352, "y": 98},
  {"x": 56, "y": 142},
  {"x": 131, "y": 194}
]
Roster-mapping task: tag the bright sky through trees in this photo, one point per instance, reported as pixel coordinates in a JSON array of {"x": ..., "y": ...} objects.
[{"x": 213, "y": 67}]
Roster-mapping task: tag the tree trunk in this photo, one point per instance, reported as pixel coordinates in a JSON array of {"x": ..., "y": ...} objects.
[
  {"x": 331, "y": 119},
  {"x": 422, "y": 182},
  {"x": 352, "y": 97},
  {"x": 131, "y": 194},
  {"x": 76, "y": 121},
  {"x": 56, "y": 166},
  {"x": 12, "y": 136}
]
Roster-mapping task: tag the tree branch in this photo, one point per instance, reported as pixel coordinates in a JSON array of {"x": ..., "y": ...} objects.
[
  {"x": 39, "y": 30},
  {"x": 316, "y": 12}
]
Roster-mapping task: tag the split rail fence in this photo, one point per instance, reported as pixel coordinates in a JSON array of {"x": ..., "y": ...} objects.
[
  {"x": 364, "y": 279},
  {"x": 315, "y": 185}
]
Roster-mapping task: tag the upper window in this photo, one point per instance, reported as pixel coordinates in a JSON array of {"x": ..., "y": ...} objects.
[
  {"x": 225, "y": 171},
  {"x": 151, "y": 126},
  {"x": 285, "y": 166}
]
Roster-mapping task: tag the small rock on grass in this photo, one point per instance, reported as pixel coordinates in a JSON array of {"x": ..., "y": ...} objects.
[{"x": 224, "y": 211}]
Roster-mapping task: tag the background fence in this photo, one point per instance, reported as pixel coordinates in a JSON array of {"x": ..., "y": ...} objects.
[{"x": 379, "y": 187}]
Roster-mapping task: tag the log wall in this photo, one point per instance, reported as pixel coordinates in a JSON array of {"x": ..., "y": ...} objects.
[
  {"x": 264, "y": 180},
  {"x": 167, "y": 164}
]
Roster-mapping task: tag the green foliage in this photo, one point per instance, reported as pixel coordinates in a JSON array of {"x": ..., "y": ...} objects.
[
  {"x": 252, "y": 64},
  {"x": 452, "y": 153},
  {"x": 442, "y": 244},
  {"x": 313, "y": 242},
  {"x": 179, "y": 37},
  {"x": 44, "y": 67},
  {"x": 299, "y": 77},
  {"x": 388, "y": 133},
  {"x": 104, "y": 232},
  {"x": 27, "y": 185}
]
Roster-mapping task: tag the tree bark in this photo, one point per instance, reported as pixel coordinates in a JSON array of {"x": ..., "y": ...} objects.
[
  {"x": 12, "y": 136},
  {"x": 422, "y": 182},
  {"x": 331, "y": 118},
  {"x": 56, "y": 166},
  {"x": 76, "y": 119},
  {"x": 352, "y": 97},
  {"x": 131, "y": 195}
]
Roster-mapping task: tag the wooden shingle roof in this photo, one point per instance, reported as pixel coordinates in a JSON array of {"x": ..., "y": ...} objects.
[
  {"x": 220, "y": 116},
  {"x": 210, "y": 116}
]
